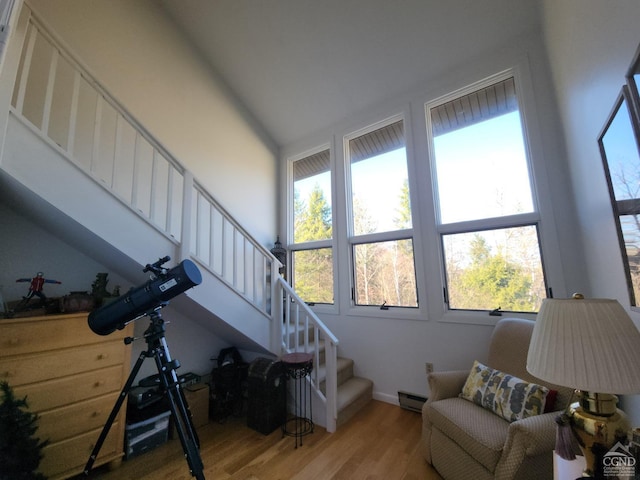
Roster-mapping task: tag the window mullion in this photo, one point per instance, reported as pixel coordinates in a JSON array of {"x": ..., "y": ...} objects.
[
  {"x": 382, "y": 237},
  {"x": 314, "y": 245},
  {"x": 489, "y": 223}
]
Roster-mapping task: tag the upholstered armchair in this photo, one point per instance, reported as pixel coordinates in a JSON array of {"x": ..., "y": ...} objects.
[{"x": 463, "y": 439}]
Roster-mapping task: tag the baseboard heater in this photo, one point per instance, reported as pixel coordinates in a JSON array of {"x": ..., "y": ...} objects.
[{"x": 411, "y": 401}]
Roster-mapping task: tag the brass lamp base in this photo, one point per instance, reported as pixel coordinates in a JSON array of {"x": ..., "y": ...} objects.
[{"x": 598, "y": 425}]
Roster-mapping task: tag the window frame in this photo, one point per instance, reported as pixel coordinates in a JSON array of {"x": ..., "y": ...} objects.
[
  {"x": 621, "y": 208},
  {"x": 536, "y": 226},
  {"x": 353, "y": 239},
  {"x": 533, "y": 218},
  {"x": 315, "y": 244}
]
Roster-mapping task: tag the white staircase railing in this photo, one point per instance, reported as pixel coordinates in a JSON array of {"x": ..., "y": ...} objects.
[
  {"x": 303, "y": 331},
  {"x": 229, "y": 251},
  {"x": 60, "y": 101}
]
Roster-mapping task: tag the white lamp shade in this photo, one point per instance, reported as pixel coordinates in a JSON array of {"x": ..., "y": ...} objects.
[{"x": 586, "y": 344}]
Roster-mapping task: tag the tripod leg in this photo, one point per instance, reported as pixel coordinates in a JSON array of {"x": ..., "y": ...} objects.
[
  {"x": 183, "y": 421},
  {"x": 187, "y": 414},
  {"x": 114, "y": 413}
]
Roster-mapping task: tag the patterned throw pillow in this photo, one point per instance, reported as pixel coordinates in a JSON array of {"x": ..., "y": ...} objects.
[
  {"x": 517, "y": 399},
  {"x": 477, "y": 383},
  {"x": 503, "y": 394}
]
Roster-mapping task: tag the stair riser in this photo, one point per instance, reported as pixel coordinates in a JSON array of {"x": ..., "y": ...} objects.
[
  {"x": 344, "y": 374},
  {"x": 354, "y": 407}
]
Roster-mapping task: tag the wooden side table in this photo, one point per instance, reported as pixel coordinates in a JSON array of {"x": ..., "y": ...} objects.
[{"x": 297, "y": 367}]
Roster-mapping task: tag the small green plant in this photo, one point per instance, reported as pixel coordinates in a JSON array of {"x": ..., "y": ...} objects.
[{"x": 20, "y": 451}]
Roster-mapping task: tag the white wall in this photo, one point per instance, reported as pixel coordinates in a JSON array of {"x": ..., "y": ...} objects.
[
  {"x": 148, "y": 66},
  {"x": 28, "y": 249},
  {"x": 591, "y": 44}
]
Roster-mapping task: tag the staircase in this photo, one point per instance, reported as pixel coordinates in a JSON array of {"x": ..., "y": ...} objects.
[
  {"x": 174, "y": 214},
  {"x": 332, "y": 376},
  {"x": 353, "y": 392}
]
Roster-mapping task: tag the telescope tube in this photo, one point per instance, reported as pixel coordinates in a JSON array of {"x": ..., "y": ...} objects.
[{"x": 138, "y": 301}]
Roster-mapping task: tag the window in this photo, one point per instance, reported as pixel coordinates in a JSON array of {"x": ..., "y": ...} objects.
[
  {"x": 619, "y": 147},
  {"x": 381, "y": 237},
  {"x": 487, "y": 217},
  {"x": 494, "y": 269},
  {"x": 362, "y": 253},
  {"x": 311, "y": 251}
]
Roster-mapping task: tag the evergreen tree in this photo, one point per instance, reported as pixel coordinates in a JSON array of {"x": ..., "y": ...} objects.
[
  {"x": 314, "y": 267},
  {"x": 403, "y": 220},
  {"x": 491, "y": 281},
  {"x": 20, "y": 452},
  {"x": 312, "y": 218}
]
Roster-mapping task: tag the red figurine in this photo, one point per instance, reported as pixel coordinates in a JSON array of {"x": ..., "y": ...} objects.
[{"x": 35, "y": 288}]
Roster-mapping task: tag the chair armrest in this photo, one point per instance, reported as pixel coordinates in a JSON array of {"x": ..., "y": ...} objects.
[
  {"x": 441, "y": 385},
  {"x": 536, "y": 433},
  {"x": 446, "y": 384},
  {"x": 528, "y": 437}
]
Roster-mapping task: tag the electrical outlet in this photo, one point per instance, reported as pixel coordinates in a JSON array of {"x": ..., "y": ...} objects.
[{"x": 428, "y": 367}]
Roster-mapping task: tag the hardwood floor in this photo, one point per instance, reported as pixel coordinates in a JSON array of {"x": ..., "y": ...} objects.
[{"x": 380, "y": 442}]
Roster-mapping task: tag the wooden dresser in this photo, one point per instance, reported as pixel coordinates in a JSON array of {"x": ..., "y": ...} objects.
[{"x": 72, "y": 379}]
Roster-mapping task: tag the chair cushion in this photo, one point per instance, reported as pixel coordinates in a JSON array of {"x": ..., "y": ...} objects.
[
  {"x": 479, "y": 432},
  {"x": 506, "y": 395}
]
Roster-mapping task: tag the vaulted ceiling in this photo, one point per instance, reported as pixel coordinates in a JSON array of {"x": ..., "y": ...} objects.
[{"x": 300, "y": 65}]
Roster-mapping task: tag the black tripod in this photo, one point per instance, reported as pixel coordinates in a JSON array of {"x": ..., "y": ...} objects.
[{"x": 157, "y": 348}]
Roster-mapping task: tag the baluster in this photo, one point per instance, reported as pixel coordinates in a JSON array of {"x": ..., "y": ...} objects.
[
  {"x": 48, "y": 97},
  {"x": 26, "y": 67}
]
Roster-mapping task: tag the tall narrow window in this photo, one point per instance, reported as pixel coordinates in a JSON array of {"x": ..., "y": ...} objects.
[
  {"x": 312, "y": 254},
  {"x": 381, "y": 225},
  {"x": 488, "y": 219},
  {"x": 620, "y": 149}
]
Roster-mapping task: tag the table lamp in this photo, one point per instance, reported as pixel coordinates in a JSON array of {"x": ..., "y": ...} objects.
[{"x": 593, "y": 346}]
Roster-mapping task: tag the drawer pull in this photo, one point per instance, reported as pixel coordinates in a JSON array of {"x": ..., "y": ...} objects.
[
  {"x": 14, "y": 341},
  {"x": 103, "y": 356},
  {"x": 6, "y": 374},
  {"x": 95, "y": 414},
  {"x": 99, "y": 383}
]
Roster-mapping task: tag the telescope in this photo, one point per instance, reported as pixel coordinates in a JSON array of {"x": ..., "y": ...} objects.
[
  {"x": 148, "y": 299},
  {"x": 163, "y": 286}
]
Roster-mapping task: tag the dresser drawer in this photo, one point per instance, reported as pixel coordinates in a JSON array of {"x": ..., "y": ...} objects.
[
  {"x": 72, "y": 378},
  {"x": 72, "y": 420},
  {"x": 39, "y": 334},
  {"x": 63, "y": 391},
  {"x": 67, "y": 457},
  {"x": 46, "y": 366}
]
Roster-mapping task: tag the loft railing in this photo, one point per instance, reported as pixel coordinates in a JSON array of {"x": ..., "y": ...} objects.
[
  {"x": 59, "y": 100},
  {"x": 221, "y": 244}
]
